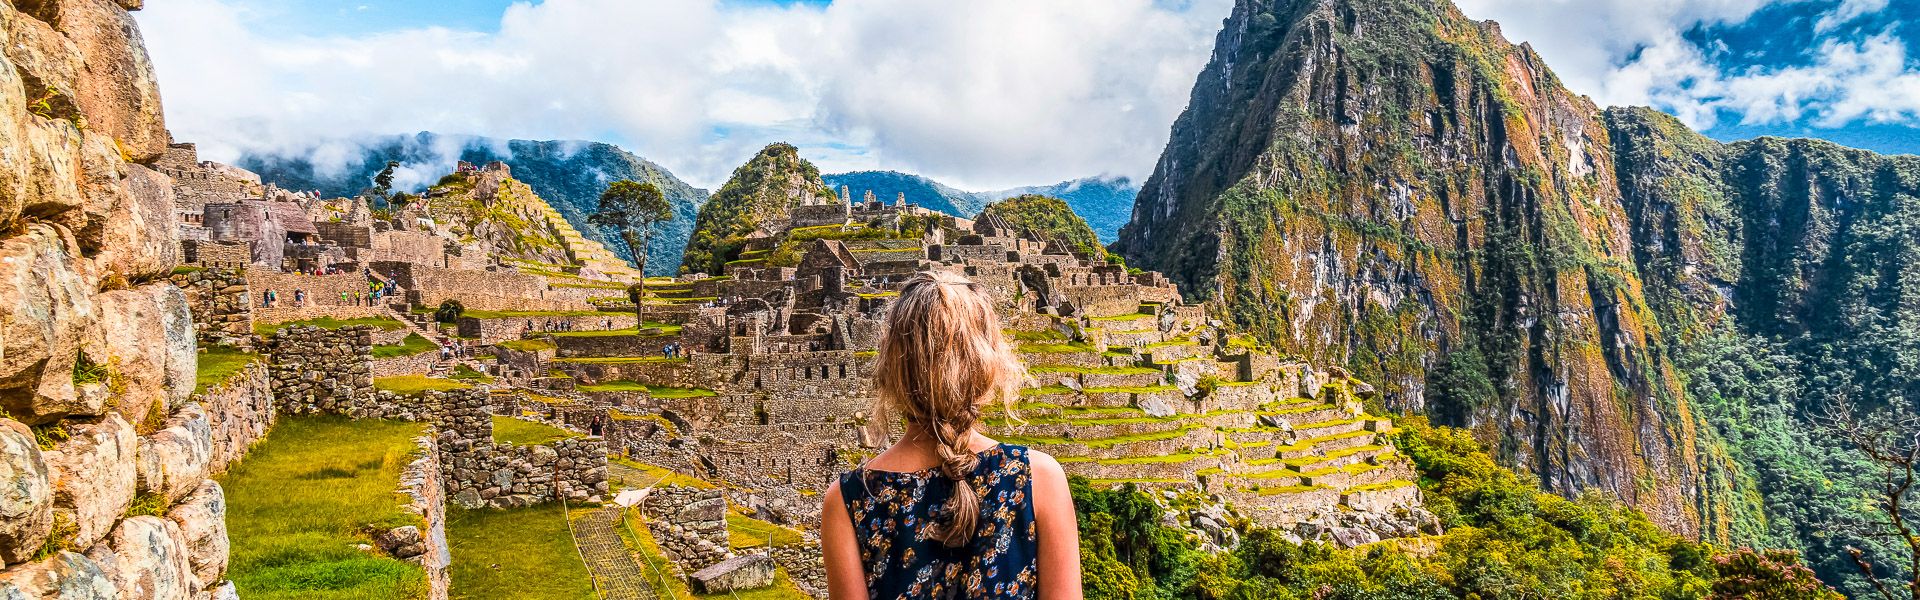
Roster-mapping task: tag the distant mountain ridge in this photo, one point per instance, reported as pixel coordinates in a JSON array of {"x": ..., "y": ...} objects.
[
  {"x": 569, "y": 174},
  {"x": 1105, "y": 202}
]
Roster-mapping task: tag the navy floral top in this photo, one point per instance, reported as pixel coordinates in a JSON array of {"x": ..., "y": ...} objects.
[{"x": 893, "y": 513}]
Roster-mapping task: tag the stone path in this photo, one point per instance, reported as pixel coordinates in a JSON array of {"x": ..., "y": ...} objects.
[{"x": 597, "y": 534}]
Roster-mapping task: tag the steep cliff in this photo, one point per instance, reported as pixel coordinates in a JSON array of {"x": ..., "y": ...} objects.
[
  {"x": 1396, "y": 188},
  {"x": 570, "y": 175},
  {"x": 763, "y": 190}
]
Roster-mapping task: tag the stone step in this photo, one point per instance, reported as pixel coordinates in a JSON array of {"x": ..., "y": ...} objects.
[
  {"x": 1359, "y": 475},
  {"x": 1310, "y": 447}
]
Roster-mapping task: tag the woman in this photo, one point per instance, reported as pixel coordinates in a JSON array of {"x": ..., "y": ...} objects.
[{"x": 946, "y": 512}]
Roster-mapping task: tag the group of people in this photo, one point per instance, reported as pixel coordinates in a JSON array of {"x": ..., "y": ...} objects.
[
  {"x": 455, "y": 348},
  {"x": 671, "y": 351}
]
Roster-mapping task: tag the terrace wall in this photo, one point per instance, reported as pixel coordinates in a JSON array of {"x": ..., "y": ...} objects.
[
  {"x": 317, "y": 370},
  {"x": 221, "y": 306},
  {"x": 690, "y": 524}
]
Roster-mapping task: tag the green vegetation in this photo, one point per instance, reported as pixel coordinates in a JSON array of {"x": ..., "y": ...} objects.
[
  {"x": 747, "y": 532},
  {"x": 611, "y": 360},
  {"x": 665, "y": 577},
  {"x": 1505, "y": 539},
  {"x": 1049, "y": 218},
  {"x": 534, "y": 314},
  {"x": 414, "y": 385},
  {"x": 387, "y": 323},
  {"x": 657, "y": 475},
  {"x": 521, "y": 432},
  {"x": 665, "y": 329},
  {"x": 412, "y": 345},
  {"x": 522, "y": 553},
  {"x": 757, "y": 191},
  {"x": 217, "y": 364},
  {"x": 658, "y": 391},
  {"x": 527, "y": 345},
  {"x": 289, "y": 542},
  {"x": 631, "y": 209}
]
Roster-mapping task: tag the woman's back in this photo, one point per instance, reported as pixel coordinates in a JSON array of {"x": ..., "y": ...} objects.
[{"x": 892, "y": 513}]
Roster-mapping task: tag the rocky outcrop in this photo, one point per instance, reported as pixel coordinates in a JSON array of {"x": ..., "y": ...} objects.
[
  {"x": 742, "y": 572},
  {"x": 1395, "y": 188},
  {"x": 97, "y": 352}
]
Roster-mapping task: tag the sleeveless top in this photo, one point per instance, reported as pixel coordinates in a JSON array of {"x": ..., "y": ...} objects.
[{"x": 893, "y": 514}]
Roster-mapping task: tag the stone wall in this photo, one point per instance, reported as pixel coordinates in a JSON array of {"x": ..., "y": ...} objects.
[
  {"x": 418, "y": 364},
  {"x": 805, "y": 565},
  {"x": 221, "y": 307},
  {"x": 321, "y": 290},
  {"x": 319, "y": 370},
  {"x": 287, "y": 313},
  {"x": 240, "y": 412},
  {"x": 479, "y": 472},
  {"x": 496, "y": 330},
  {"x": 418, "y": 247},
  {"x": 215, "y": 254},
  {"x": 484, "y": 290},
  {"x": 690, "y": 524},
  {"x": 426, "y": 497}
]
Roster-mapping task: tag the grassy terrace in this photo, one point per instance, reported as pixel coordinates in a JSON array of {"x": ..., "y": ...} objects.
[
  {"x": 1102, "y": 443},
  {"x": 665, "y": 329},
  {"x": 615, "y": 360},
  {"x": 521, "y": 432},
  {"x": 504, "y": 314},
  {"x": 532, "y": 345},
  {"x": 747, "y": 532},
  {"x": 218, "y": 364},
  {"x": 387, "y": 323},
  {"x": 524, "y": 553},
  {"x": 414, "y": 385},
  {"x": 1055, "y": 347},
  {"x": 291, "y": 543},
  {"x": 658, "y": 391},
  {"x": 412, "y": 345},
  {"x": 1066, "y": 369},
  {"x": 656, "y": 475}
]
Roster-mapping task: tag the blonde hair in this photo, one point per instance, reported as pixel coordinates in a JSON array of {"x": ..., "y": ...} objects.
[{"x": 941, "y": 358}]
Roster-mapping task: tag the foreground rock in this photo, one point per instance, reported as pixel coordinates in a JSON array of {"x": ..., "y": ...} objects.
[{"x": 738, "y": 573}]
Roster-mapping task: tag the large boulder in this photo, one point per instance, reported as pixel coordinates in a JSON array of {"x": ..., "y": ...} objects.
[
  {"x": 65, "y": 576},
  {"x": 742, "y": 572},
  {"x": 173, "y": 461},
  {"x": 202, "y": 518},
  {"x": 146, "y": 559},
  {"x": 93, "y": 476},
  {"x": 26, "y": 494},
  {"x": 127, "y": 220},
  {"x": 151, "y": 349},
  {"x": 47, "y": 321},
  {"x": 98, "y": 61}
]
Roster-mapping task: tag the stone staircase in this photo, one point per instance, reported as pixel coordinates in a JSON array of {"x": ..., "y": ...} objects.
[{"x": 590, "y": 254}]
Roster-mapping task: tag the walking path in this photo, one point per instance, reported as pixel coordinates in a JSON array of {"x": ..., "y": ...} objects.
[{"x": 615, "y": 573}]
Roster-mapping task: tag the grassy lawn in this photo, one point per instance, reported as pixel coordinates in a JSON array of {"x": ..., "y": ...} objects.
[
  {"x": 614, "y": 360},
  {"x": 667, "y": 580},
  {"x": 413, "y": 385},
  {"x": 658, "y": 391},
  {"x": 665, "y": 330},
  {"x": 413, "y": 344},
  {"x": 387, "y": 323},
  {"x": 747, "y": 532},
  {"x": 524, "y": 314},
  {"x": 533, "y": 345},
  {"x": 658, "y": 475},
  {"x": 521, "y": 432},
  {"x": 523, "y": 553},
  {"x": 218, "y": 364},
  {"x": 465, "y": 373},
  {"x": 289, "y": 542}
]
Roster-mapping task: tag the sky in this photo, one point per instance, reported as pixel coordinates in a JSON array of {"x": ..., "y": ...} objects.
[{"x": 979, "y": 94}]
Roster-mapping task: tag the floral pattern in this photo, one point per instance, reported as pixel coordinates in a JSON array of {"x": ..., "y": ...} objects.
[{"x": 893, "y": 514}]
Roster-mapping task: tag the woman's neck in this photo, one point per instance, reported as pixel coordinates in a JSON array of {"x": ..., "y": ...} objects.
[{"x": 917, "y": 436}]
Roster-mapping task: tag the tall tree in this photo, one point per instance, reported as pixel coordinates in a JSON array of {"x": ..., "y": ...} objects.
[{"x": 632, "y": 209}]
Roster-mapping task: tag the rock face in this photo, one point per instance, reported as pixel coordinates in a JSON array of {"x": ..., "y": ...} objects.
[
  {"x": 97, "y": 349},
  {"x": 738, "y": 573},
  {"x": 763, "y": 189},
  {"x": 1396, "y": 188}
]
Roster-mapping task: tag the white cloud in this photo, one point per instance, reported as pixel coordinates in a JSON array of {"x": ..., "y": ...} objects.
[
  {"x": 987, "y": 93},
  {"x": 1632, "y": 52}
]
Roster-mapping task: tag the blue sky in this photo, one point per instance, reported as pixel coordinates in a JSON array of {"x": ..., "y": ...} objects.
[{"x": 982, "y": 94}]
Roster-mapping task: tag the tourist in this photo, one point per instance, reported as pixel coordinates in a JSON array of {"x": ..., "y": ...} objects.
[
  {"x": 299, "y": 297},
  {"x": 947, "y": 512},
  {"x": 595, "y": 427}
]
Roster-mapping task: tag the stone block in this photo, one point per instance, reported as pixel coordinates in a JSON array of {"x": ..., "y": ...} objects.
[
  {"x": 743, "y": 572},
  {"x": 26, "y": 493},
  {"x": 202, "y": 519},
  {"x": 93, "y": 476},
  {"x": 174, "y": 460},
  {"x": 66, "y": 576},
  {"x": 146, "y": 558},
  {"x": 45, "y": 324}
]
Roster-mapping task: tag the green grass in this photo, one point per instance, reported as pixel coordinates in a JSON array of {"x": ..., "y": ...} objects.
[
  {"x": 1066, "y": 348},
  {"x": 614, "y": 360},
  {"x": 1052, "y": 369},
  {"x": 503, "y": 314},
  {"x": 218, "y": 364},
  {"x": 387, "y": 323},
  {"x": 289, "y": 542},
  {"x": 658, "y": 391},
  {"x": 747, "y": 532},
  {"x": 465, "y": 373},
  {"x": 533, "y": 345},
  {"x": 521, "y": 432},
  {"x": 523, "y": 553},
  {"x": 665, "y": 329},
  {"x": 412, "y": 345},
  {"x": 413, "y": 385},
  {"x": 658, "y": 475}
]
